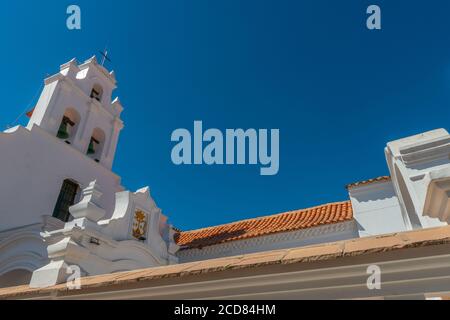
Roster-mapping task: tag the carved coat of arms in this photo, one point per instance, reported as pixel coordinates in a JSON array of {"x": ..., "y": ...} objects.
[{"x": 140, "y": 225}]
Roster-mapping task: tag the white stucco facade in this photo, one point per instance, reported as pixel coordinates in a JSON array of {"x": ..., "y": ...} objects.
[
  {"x": 71, "y": 141},
  {"x": 376, "y": 209},
  {"x": 99, "y": 236}
]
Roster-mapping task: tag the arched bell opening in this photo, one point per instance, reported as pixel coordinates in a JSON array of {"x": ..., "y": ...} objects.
[
  {"x": 97, "y": 92},
  {"x": 69, "y": 125},
  {"x": 96, "y": 144}
]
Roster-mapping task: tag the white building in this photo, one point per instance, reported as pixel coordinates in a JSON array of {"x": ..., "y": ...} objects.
[{"x": 76, "y": 213}]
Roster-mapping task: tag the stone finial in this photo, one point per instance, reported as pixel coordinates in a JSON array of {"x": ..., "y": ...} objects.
[
  {"x": 117, "y": 106},
  {"x": 70, "y": 69},
  {"x": 92, "y": 59},
  {"x": 144, "y": 191},
  {"x": 92, "y": 192},
  {"x": 113, "y": 74},
  {"x": 70, "y": 64},
  {"x": 88, "y": 207}
]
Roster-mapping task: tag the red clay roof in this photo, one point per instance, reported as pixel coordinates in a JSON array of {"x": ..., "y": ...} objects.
[
  {"x": 245, "y": 229},
  {"x": 365, "y": 182}
]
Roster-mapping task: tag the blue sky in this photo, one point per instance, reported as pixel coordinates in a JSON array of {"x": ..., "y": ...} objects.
[{"x": 337, "y": 91}]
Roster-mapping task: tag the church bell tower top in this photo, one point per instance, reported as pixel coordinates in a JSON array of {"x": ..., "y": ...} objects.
[
  {"x": 89, "y": 68},
  {"x": 92, "y": 62},
  {"x": 77, "y": 107}
]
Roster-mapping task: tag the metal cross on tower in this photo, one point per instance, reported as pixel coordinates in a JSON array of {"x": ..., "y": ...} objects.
[{"x": 105, "y": 56}]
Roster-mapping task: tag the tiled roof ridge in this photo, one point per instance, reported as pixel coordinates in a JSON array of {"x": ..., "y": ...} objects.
[
  {"x": 269, "y": 216},
  {"x": 368, "y": 181}
]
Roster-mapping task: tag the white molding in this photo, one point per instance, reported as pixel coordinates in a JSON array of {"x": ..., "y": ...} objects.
[
  {"x": 285, "y": 239},
  {"x": 24, "y": 249},
  {"x": 419, "y": 276},
  {"x": 437, "y": 201},
  {"x": 430, "y": 150}
]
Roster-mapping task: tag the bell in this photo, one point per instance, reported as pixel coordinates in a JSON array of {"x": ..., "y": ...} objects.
[
  {"x": 62, "y": 131},
  {"x": 91, "y": 149}
]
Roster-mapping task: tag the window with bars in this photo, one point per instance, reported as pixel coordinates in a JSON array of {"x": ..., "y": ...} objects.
[{"x": 66, "y": 199}]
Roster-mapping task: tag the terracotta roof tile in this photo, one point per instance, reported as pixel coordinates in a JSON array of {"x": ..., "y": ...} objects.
[
  {"x": 366, "y": 182},
  {"x": 245, "y": 229}
]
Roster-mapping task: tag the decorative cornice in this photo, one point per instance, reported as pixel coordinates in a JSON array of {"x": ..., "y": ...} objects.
[
  {"x": 437, "y": 201},
  {"x": 24, "y": 249},
  {"x": 70, "y": 84},
  {"x": 426, "y": 151},
  {"x": 412, "y": 262},
  {"x": 32, "y": 228}
]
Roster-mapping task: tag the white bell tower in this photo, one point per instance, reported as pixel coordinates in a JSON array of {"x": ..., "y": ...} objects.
[
  {"x": 76, "y": 106},
  {"x": 70, "y": 140},
  {"x": 61, "y": 204}
]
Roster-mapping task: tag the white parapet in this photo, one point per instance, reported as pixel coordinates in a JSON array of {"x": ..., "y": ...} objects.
[{"x": 419, "y": 166}]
